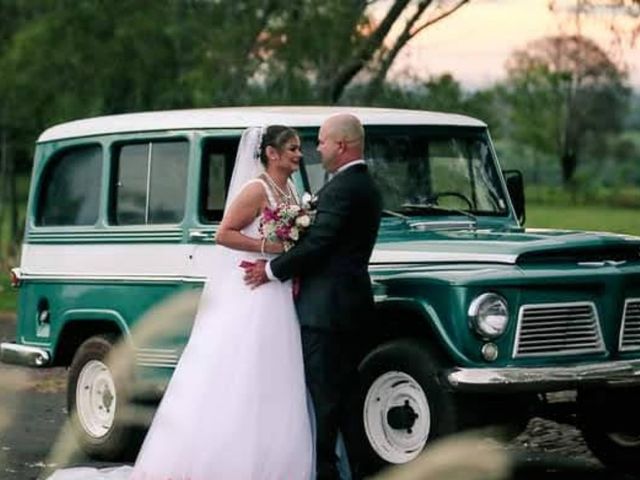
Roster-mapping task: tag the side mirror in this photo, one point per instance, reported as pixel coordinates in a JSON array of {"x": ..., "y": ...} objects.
[{"x": 515, "y": 187}]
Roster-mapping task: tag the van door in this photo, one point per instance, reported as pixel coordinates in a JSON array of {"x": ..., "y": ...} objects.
[{"x": 217, "y": 158}]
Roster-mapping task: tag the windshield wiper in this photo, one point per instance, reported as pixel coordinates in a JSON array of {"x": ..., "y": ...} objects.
[
  {"x": 391, "y": 213},
  {"x": 430, "y": 207}
]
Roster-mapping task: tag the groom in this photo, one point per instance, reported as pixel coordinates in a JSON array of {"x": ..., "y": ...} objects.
[{"x": 335, "y": 299}]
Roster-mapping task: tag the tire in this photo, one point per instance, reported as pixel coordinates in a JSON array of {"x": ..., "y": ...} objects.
[
  {"x": 610, "y": 427},
  {"x": 96, "y": 401},
  {"x": 399, "y": 407}
]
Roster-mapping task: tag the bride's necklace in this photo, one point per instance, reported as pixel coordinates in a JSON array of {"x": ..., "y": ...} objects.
[{"x": 285, "y": 196}]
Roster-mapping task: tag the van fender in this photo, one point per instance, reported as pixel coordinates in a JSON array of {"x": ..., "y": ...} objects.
[
  {"x": 75, "y": 326},
  {"x": 429, "y": 326},
  {"x": 85, "y": 314}
]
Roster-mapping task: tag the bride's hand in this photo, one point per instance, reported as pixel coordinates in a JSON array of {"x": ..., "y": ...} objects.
[{"x": 274, "y": 247}]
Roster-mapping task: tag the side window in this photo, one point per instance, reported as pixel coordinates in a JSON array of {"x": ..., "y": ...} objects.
[
  {"x": 218, "y": 156},
  {"x": 150, "y": 183},
  {"x": 70, "y": 188},
  {"x": 316, "y": 174}
]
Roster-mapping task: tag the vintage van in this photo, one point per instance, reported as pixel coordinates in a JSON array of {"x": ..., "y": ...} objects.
[{"x": 479, "y": 321}]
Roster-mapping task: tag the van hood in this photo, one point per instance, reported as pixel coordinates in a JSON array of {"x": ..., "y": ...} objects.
[{"x": 516, "y": 247}]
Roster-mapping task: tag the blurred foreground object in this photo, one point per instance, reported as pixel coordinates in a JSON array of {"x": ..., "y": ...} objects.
[{"x": 462, "y": 457}]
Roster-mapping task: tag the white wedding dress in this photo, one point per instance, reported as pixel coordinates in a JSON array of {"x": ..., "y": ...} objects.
[{"x": 236, "y": 407}]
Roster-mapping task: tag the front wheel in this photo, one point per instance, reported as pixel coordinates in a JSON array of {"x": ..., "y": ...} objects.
[
  {"x": 400, "y": 406},
  {"x": 610, "y": 426},
  {"x": 96, "y": 401}
]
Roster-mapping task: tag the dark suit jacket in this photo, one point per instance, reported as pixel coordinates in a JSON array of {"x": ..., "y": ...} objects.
[{"x": 331, "y": 260}]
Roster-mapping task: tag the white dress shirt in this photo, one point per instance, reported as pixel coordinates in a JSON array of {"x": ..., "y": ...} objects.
[{"x": 267, "y": 267}]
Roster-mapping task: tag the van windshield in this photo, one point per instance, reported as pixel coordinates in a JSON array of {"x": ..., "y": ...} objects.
[{"x": 426, "y": 170}]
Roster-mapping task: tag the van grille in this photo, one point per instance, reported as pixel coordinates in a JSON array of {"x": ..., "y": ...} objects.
[
  {"x": 150, "y": 357},
  {"x": 630, "y": 338},
  {"x": 558, "y": 329}
]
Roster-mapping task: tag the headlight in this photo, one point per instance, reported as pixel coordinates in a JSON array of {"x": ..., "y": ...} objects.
[{"x": 488, "y": 315}]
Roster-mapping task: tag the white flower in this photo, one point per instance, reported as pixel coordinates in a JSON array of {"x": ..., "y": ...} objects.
[
  {"x": 294, "y": 209},
  {"x": 294, "y": 234},
  {"x": 303, "y": 221},
  {"x": 270, "y": 229},
  {"x": 309, "y": 201}
]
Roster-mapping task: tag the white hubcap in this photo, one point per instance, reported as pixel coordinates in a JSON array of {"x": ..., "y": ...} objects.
[
  {"x": 625, "y": 439},
  {"x": 96, "y": 399},
  {"x": 397, "y": 418}
]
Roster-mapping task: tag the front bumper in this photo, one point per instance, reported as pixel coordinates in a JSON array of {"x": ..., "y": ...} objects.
[
  {"x": 544, "y": 379},
  {"x": 24, "y": 355}
]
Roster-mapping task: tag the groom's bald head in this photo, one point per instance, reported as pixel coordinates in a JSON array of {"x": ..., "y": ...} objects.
[
  {"x": 344, "y": 126},
  {"x": 340, "y": 140}
]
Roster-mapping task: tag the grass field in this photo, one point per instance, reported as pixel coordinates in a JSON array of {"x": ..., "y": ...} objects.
[
  {"x": 8, "y": 296},
  {"x": 603, "y": 219}
]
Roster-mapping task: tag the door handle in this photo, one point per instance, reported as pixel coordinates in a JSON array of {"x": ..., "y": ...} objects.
[{"x": 199, "y": 236}]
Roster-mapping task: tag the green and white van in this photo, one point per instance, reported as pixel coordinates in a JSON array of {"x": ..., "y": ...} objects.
[{"x": 479, "y": 320}]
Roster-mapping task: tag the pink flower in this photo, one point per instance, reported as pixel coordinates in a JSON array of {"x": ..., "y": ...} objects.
[
  {"x": 269, "y": 214},
  {"x": 283, "y": 232}
]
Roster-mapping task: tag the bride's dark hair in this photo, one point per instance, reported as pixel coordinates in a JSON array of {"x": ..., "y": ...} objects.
[{"x": 275, "y": 136}]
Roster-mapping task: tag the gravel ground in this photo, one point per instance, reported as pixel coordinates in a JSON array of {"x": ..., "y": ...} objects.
[{"x": 33, "y": 413}]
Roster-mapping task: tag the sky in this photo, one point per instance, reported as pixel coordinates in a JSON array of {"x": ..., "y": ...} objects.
[{"x": 474, "y": 43}]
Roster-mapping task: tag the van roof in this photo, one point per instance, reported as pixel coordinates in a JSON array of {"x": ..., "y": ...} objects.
[{"x": 242, "y": 117}]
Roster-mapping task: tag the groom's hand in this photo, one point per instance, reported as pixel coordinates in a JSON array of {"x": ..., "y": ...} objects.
[{"x": 255, "y": 275}]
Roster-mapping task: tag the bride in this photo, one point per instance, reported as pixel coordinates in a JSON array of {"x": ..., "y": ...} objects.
[{"x": 236, "y": 407}]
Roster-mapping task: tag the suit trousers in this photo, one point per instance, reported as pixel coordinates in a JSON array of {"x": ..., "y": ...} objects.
[{"x": 331, "y": 369}]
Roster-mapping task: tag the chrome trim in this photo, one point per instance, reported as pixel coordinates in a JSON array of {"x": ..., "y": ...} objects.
[
  {"x": 202, "y": 235},
  {"x": 596, "y": 321},
  {"x": 157, "y": 357},
  {"x": 160, "y": 351},
  {"x": 105, "y": 239},
  {"x": 157, "y": 365},
  {"x": 18, "y": 274},
  {"x": 62, "y": 277},
  {"x": 602, "y": 263},
  {"x": 622, "y": 372},
  {"x": 441, "y": 225},
  {"x": 110, "y": 231},
  {"x": 473, "y": 310},
  {"x": 15, "y": 354},
  {"x": 148, "y": 196},
  {"x": 31, "y": 343},
  {"x": 386, "y": 255},
  {"x": 111, "y": 234},
  {"x": 621, "y": 347}
]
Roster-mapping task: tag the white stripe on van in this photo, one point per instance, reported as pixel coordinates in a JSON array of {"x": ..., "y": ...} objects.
[{"x": 179, "y": 263}]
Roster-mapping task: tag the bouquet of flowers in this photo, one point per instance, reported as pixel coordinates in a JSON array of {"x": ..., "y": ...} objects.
[{"x": 285, "y": 223}]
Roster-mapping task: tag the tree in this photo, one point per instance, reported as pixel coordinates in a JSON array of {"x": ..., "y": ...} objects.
[
  {"x": 131, "y": 55},
  {"x": 620, "y": 16},
  {"x": 373, "y": 50},
  {"x": 414, "y": 25},
  {"x": 66, "y": 59},
  {"x": 332, "y": 43},
  {"x": 563, "y": 89}
]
